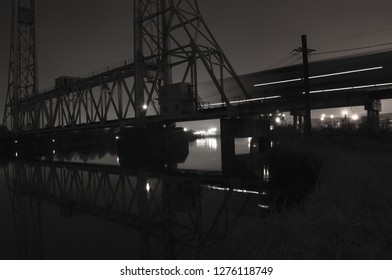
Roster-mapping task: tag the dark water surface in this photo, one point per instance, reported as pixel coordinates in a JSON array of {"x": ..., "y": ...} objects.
[{"x": 91, "y": 206}]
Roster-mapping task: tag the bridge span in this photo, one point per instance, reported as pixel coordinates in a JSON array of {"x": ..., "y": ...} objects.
[
  {"x": 106, "y": 99},
  {"x": 173, "y": 47}
]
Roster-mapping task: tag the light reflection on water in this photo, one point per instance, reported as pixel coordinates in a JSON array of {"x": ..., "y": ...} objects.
[
  {"x": 105, "y": 158},
  {"x": 90, "y": 210},
  {"x": 210, "y": 143},
  {"x": 266, "y": 173},
  {"x": 204, "y": 154}
]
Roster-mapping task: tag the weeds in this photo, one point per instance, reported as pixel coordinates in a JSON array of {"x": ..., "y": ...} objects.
[{"x": 347, "y": 216}]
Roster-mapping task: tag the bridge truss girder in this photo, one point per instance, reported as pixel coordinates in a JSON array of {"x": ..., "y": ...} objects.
[
  {"x": 173, "y": 36},
  {"x": 170, "y": 38}
]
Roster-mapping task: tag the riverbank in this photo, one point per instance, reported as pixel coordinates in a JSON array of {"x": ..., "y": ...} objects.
[{"x": 347, "y": 216}]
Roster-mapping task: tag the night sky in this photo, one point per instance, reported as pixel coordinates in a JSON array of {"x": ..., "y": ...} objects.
[{"x": 79, "y": 36}]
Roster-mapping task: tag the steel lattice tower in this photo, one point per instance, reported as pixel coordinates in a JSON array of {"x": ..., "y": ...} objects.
[
  {"x": 170, "y": 38},
  {"x": 172, "y": 44},
  {"x": 22, "y": 79}
]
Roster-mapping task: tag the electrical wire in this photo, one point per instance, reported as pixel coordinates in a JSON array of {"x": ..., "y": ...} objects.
[
  {"x": 285, "y": 60},
  {"x": 353, "y": 49},
  {"x": 352, "y": 37}
]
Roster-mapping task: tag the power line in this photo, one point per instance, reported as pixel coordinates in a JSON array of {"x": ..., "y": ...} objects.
[
  {"x": 352, "y": 37},
  {"x": 286, "y": 59},
  {"x": 353, "y": 49}
]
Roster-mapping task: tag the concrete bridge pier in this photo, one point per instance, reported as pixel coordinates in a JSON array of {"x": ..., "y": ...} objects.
[
  {"x": 298, "y": 119},
  {"x": 373, "y": 108},
  {"x": 256, "y": 132}
]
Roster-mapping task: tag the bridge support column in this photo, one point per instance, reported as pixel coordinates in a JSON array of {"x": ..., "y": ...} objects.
[
  {"x": 295, "y": 121},
  {"x": 373, "y": 108},
  {"x": 298, "y": 119},
  {"x": 256, "y": 131}
]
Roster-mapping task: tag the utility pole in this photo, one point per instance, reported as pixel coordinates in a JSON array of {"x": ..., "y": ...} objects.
[
  {"x": 139, "y": 65},
  {"x": 305, "y": 53}
]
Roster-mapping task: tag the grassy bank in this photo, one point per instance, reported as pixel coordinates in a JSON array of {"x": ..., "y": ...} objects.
[{"x": 347, "y": 216}]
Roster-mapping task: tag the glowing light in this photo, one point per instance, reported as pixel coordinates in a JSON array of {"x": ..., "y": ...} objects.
[
  {"x": 278, "y": 82},
  {"x": 263, "y": 206},
  {"x": 54, "y": 152},
  {"x": 278, "y": 120},
  {"x": 217, "y": 188},
  {"x": 321, "y": 76},
  {"x": 255, "y": 99},
  {"x": 331, "y": 116},
  {"x": 266, "y": 174},
  {"x": 249, "y": 141},
  {"x": 53, "y": 140},
  {"x": 210, "y": 131},
  {"x": 145, "y": 107},
  {"x": 347, "y": 72},
  {"x": 117, "y": 137},
  {"x": 245, "y": 191},
  {"x": 245, "y": 100},
  {"x": 355, "y": 117},
  {"x": 16, "y": 141},
  {"x": 16, "y": 154},
  {"x": 351, "y": 88},
  {"x": 344, "y": 113},
  {"x": 211, "y": 143},
  {"x": 118, "y": 160},
  {"x": 185, "y": 129},
  {"x": 148, "y": 188}
]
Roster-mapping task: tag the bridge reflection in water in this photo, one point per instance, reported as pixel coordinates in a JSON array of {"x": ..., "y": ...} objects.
[{"x": 175, "y": 214}]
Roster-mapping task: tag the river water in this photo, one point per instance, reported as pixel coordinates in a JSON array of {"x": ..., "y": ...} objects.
[{"x": 93, "y": 206}]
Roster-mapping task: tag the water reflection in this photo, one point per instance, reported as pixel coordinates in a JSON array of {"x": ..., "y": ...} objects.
[
  {"x": 169, "y": 214},
  {"x": 211, "y": 143},
  {"x": 199, "y": 151},
  {"x": 140, "y": 206},
  {"x": 266, "y": 173}
]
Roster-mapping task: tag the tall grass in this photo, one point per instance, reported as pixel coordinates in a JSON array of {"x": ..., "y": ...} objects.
[{"x": 348, "y": 216}]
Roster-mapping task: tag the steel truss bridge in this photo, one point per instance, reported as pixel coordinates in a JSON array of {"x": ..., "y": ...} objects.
[
  {"x": 173, "y": 45},
  {"x": 168, "y": 210}
]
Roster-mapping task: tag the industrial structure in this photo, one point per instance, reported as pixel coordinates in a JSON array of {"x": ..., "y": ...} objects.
[
  {"x": 160, "y": 86},
  {"x": 172, "y": 45},
  {"x": 168, "y": 38}
]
